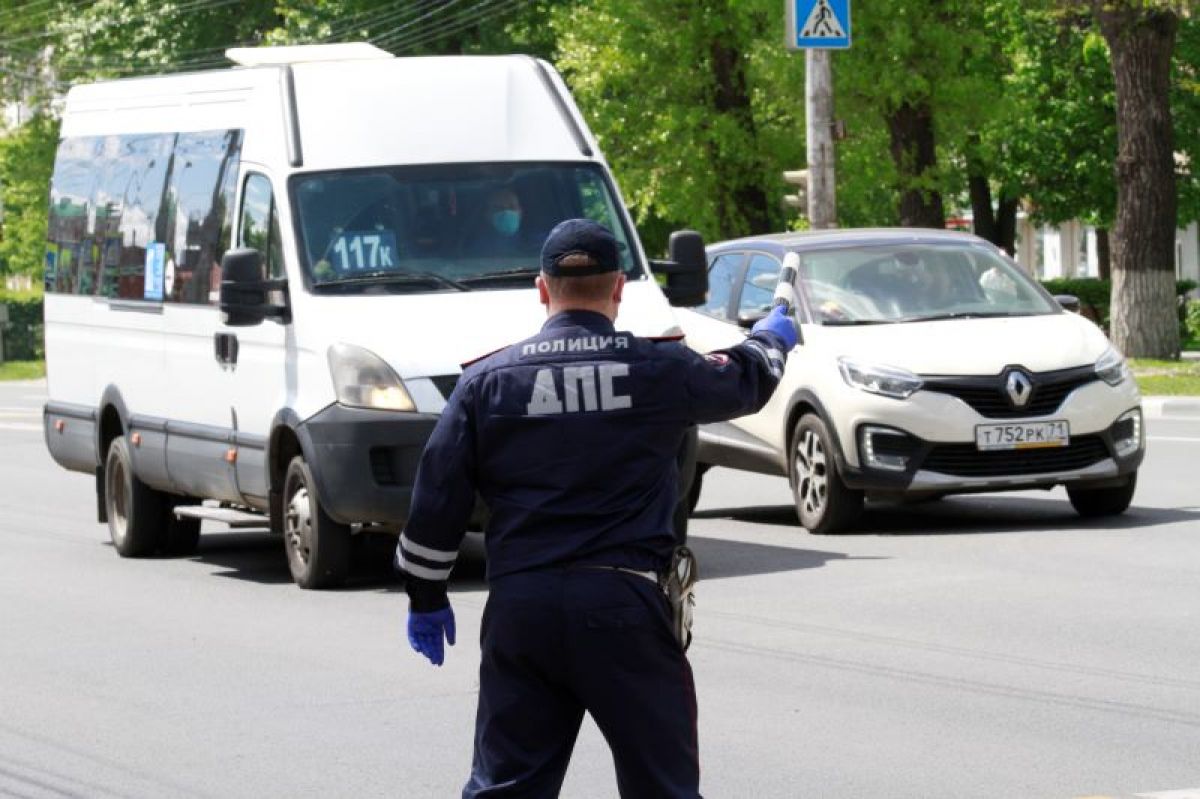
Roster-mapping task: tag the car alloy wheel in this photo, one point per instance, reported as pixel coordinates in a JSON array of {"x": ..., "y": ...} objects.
[
  {"x": 812, "y": 475},
  {"x": 824, "y": 503}
]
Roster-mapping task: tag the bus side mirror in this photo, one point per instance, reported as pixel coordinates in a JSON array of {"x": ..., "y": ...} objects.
[
  {"x": 247, "y": 299},
  {"x": 684, "y": 278}
]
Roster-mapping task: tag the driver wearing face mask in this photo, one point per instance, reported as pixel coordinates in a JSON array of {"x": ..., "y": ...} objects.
[
  {"x": 504, "y": 211},
  {"x": 500, "y": 229}
]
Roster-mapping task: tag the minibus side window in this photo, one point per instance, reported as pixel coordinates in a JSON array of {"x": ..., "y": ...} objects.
[
  {"x": 199, "y": 214},
  {"x": 260, "y": 224},
  {"x": 142, "y": 216}
]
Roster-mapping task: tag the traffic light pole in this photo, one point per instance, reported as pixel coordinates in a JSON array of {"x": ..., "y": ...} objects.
[{"x": 818, "y": 115}]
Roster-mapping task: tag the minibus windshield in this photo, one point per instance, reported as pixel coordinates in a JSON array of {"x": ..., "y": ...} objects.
[{"x": 444, "y": 227}]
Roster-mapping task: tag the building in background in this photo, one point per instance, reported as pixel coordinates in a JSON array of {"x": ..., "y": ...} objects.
[{"x": 1069, "y": 250}]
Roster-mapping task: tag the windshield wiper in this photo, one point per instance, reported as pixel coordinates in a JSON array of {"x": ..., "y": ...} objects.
[
  {"x": 522, "y": 273},
  {"x": 963, "y": 315},
  {"x": 387, "y": 277}
]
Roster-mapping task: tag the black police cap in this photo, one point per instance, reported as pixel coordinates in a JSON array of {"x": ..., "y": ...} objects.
[{"x": 580, "y": 237}]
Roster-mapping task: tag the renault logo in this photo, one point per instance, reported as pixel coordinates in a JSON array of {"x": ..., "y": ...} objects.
[{"x": 1019, "y": 387}]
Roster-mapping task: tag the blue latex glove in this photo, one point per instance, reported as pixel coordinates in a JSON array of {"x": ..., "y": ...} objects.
[
  {"x": 779, "y": 322},
  {"x": 425, "y": 632}
]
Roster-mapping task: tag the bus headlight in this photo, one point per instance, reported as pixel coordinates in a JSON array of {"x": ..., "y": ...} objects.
[{"x": 364, "y": 380}]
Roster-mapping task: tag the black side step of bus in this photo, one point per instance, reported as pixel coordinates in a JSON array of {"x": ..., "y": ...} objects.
[{"x": 230, "y": 516}]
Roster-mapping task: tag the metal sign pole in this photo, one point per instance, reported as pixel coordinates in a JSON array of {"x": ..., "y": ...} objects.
[
  {"x": 818, "y": 118},
  {"x": 818, "y": 26}
]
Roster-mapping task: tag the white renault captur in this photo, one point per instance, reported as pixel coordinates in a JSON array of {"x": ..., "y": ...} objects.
[{"x": 931, "y": 365}]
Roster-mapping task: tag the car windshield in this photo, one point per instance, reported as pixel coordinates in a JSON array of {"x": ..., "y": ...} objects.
[
  {"x": 916, "y": 282},
  {"x": 444, "y": 227}
]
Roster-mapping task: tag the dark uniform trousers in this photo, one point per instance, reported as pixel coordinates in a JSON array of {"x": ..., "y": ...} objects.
[{"x": 559, "y": 642}]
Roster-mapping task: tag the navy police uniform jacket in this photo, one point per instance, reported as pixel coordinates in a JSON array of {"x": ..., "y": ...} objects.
[{"x": 571, "y": 438}]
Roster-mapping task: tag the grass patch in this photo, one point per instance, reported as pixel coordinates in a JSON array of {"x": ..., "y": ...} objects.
[
  {"x": 22, "y": 370},
  {"x": 1174, "y": 378},
  {"x": 1191, "y": 345},
  {"x": 7, "y": 295}
]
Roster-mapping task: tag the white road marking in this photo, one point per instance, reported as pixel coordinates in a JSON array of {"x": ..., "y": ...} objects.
[
  {"x": 1173, "y": 438},
  {"x": 1182, "y": 793},
  {"x": 30, "y": 428}
]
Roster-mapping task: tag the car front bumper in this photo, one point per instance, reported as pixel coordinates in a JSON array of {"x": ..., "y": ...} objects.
[{"x": 943, "y": 457}]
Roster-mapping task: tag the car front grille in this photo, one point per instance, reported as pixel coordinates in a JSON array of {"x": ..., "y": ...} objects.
[
  {"x": 965, "y": 460},
  {"x": 988, "y": 397}
]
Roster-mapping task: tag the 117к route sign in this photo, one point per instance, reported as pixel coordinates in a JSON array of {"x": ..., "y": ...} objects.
[{"x": 818, "y": 24}]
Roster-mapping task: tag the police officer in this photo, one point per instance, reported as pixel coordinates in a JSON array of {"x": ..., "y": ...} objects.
[{"x": 570, "y": 437}]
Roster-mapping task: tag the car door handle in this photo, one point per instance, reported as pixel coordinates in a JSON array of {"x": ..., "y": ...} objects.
[{"x": 225, "y": 347}]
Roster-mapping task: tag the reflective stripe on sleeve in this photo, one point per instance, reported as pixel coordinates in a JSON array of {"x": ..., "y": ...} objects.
[
  {"x": 424, "y": 572},
  {"x": 426, "y": 553},
  {"x": 772, "y": 356}
]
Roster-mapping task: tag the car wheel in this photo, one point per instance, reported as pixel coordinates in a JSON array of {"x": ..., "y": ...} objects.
[
  {"x": 137, "y": 513},
  {"x": 1089, "y": 502},
  {"x": 823, "y": 502},
  {"x": 317, "y": 547}
]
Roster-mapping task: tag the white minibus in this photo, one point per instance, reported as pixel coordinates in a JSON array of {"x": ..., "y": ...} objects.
[{"x": 261, "y": 281}]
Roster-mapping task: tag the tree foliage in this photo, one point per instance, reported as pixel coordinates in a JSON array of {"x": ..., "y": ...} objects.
[
  {"x": 949, "y": 104},
  {"x": 26, "y": 160},
  {"x": 700, "y": 124}
]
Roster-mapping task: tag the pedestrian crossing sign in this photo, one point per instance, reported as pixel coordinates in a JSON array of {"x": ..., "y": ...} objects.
[{"x": 818, "y": 24}]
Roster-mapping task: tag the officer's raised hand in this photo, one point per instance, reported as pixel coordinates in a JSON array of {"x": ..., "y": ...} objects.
[
  {"x": 426, "y": 630},
  {"x": 779, "y": 322}
]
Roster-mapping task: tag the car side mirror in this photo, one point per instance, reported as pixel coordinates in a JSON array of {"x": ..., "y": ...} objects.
[
  {"x": 684, "y": 278},
  {"x": 749, "y": 319},
  {"x": 1069, "y": 302},
  {"x": 246, "y": 298}
]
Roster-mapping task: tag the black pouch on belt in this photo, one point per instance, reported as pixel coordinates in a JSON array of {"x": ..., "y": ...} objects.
[{"x": 678, "y": 583}]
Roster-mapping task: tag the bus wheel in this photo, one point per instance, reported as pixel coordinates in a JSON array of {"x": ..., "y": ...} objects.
[
  {"x": 318, "y": 548},
  {"x": 137, "y": 513}
]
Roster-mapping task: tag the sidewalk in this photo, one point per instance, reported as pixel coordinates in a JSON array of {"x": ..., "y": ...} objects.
[{"x": 1171, "y": 407}]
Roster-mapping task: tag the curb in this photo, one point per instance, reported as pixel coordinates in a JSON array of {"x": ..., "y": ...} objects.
[{"x": 1171, "y": 407}]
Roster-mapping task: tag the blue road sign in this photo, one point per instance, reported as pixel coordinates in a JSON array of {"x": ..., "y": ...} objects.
[{"x": 818, "y": 24}]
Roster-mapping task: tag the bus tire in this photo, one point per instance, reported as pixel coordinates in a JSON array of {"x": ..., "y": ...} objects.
[
  {"x": 317, "y": 547},
  {"x": 137, "y": 513}
]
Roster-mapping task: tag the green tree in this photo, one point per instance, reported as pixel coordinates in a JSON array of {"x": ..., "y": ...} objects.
[
  {"x": 26, "y": 161},
  {"x": 698, "y": 124},
  {"x": 915, "y": 66}
]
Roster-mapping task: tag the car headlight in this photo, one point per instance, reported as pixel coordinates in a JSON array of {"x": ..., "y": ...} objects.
[
  {"x": 1111, "y": 367},
  {"x": 364, "y": 380},
  {"x": 887, "y": 381}
]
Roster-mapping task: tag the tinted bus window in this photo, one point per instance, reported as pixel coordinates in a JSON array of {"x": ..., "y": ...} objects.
[
  {"x": 203, "y": 176},
  {"x": 260, "y": 224},
  {"x": 141, "y": 216}
]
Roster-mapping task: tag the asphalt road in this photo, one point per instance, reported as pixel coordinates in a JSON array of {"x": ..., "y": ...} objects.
[{"x": 991, "y": 646}]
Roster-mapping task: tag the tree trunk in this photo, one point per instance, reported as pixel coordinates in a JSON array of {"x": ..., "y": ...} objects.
[
  {"x": 745, "y": 208},
  {"x": 915, "y": 155},
  {"x": 1141, "y": 38},
  {"x": 1104, "y": 253},
  {"x": 1006, "y": 224},
  {"x": 984, "y": 220}
]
